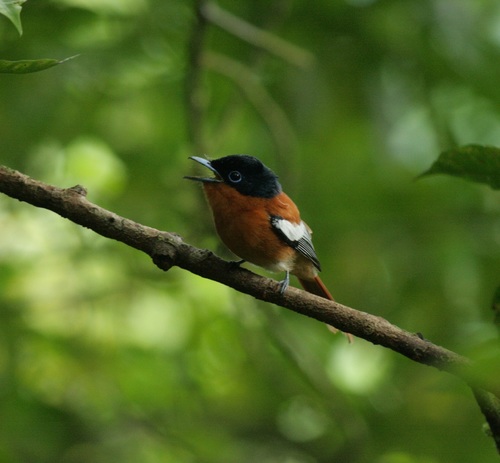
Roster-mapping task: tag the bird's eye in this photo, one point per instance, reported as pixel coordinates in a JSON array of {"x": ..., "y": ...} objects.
[{"x": 234, "y": 176}]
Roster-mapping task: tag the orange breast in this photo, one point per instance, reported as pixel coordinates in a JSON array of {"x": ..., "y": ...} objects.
[{"x": 243, "y": 224}]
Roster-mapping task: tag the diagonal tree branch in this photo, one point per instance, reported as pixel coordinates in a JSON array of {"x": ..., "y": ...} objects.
[{"x": 168, "y": 249}]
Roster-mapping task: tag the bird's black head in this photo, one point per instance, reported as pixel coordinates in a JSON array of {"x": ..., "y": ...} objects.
[{"x": 244, "y": 173}]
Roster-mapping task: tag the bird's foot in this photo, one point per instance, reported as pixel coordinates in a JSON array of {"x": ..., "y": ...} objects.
[
  {"x": 236, "y": 263},
  {"x": 284, "y": 283}
]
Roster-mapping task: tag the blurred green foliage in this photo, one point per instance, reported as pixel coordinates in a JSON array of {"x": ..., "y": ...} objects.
[{"x": 105, "y": 358}]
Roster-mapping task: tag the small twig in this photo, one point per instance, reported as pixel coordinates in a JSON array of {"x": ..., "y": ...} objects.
[
  {"x": 490, "y": 407},
  {"x": 271, "y": 113},
  {"x": 193, "y": 93},
  {"x": 257, "y": 37}
]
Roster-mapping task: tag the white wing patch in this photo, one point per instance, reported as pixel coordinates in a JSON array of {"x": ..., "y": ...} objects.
[
  {"x": 292, "y": 231},
  {"x": 297, "y": 236}
]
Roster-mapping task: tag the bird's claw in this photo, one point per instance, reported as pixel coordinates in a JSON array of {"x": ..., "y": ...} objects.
[{"x": 284, "y": 283}]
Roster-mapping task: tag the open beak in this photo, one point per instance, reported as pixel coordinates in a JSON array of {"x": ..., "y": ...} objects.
[{"x": 208, "y": 165}]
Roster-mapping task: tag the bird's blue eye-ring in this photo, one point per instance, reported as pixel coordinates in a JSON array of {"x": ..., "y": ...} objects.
[{"x": 234, "y": 176}]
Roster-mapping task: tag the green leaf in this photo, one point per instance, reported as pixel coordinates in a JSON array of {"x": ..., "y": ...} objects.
[
  {"x": 477, "y": 163},
  {"x": 12, "y": 10},
  {"x": 29, "y": 65}
]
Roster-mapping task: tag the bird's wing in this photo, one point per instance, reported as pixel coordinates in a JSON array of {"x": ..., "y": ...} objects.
[{"x": 297, "y": 236}]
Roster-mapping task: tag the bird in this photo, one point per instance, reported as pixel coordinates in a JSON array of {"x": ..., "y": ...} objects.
[{"x": 258, "y": 222}]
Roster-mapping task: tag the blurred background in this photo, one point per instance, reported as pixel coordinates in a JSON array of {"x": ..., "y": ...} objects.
[{"x": 103, "y": 357}]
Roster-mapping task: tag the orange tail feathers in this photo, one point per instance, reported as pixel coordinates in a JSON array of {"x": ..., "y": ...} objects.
[{"x": 318, "y": 288}]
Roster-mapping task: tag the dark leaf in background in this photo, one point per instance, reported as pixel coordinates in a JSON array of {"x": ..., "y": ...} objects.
[{"x": 477, "y": 163}]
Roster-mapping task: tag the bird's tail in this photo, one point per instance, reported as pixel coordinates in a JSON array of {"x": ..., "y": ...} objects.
[{"x": 317, "y": 287}]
